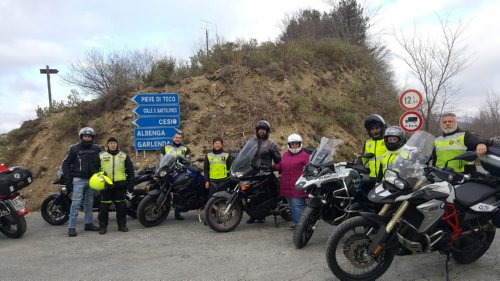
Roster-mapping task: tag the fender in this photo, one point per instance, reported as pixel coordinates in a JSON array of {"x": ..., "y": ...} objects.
[
  {"x": 222, "y": 194},
  {"x": 376, "y": 218},
  {"x": 314, "y": 202},
  {"x": 154, "y": 193}
]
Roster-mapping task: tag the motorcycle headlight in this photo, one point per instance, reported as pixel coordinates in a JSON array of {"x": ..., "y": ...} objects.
[
  {"x": 390, "y": 176},
  {"x": 401, "y": 184},
  {"x": 163, "y": 173}
]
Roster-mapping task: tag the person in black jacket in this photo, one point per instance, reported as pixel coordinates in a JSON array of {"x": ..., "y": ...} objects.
[
  {"x": 116, "y": 165},
  {"x": 216, "y": 167},
  {"x": 81, "y": 162}
]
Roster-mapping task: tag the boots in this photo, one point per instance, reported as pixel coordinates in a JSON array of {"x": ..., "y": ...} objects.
[
  {"x": 91, "y": 227},
  {"x": 122, "y": 228},
  {"x": 121, "y": 216},
  {"x": 103, "y": 227},
  {"x": 71, "y": 232}
]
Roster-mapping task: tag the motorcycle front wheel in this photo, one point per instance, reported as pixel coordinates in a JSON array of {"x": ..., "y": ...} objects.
[
  {"x": 13, "y": 225},
  {"x": 347, "y": 251},
  {"x": 54, "y": 212},
  {"x": 305, "y": 228},
  {"x": 218, "y": 219},
  {"x": 150, "y": 214}
]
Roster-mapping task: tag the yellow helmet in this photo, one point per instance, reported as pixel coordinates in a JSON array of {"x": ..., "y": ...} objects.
[{"x": 99, "y": 181}]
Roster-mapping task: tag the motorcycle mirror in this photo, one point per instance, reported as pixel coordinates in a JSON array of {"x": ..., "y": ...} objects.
[
  {"x": 466, "y": 156},
  {"x": 316, "y": 138},
  {"x": 368, "y": 155}
]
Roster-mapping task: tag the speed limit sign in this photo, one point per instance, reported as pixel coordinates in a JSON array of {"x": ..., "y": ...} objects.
[{"x": 410, "y": 99}]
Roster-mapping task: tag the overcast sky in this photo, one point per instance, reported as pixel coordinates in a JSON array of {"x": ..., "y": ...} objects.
[{"x": 57, "y": 32}]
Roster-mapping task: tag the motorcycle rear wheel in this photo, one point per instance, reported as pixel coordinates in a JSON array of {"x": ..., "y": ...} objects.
[
  {"x": 53, "y": 213},
  {"x": 346, "y": 251},
  {"x": 148, "y": 212},
  {"x": 474, "y": 246},
  {"x": 13, "y": 225},
  {"x": 217, "y": 220},
  {"x": 306, "y": 226}
]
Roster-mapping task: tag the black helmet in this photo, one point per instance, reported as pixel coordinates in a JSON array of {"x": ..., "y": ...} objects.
[
  {"x": 86, "y": 131},
  {"x": 394, "y": 131},
  {"x": 374, "y": 120},
  {"x": 263, "y": 124}
]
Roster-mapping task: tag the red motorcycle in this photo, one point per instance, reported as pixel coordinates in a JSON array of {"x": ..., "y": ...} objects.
[{"x": 12, "y": 205}]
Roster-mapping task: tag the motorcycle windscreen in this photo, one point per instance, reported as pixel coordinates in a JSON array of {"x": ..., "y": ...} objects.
[
  {"x": 242, "y": 165},
  {"x": 325, "y": 152},
  {"x": 413, "y": 158},
  {"x": 166, "y": 160}
]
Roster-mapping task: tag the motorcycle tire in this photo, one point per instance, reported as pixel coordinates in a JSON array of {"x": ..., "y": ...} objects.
[
  {"x": 305, "y": 227},
  {"x": 13, "y": 225},
  {"x": 472, "y": 247},
  {"x": 148, "y": 212},
  {"x": 52, "y": 213},
  {"x": 349, "y": 241},
  {"x": 217, "y": 220}
]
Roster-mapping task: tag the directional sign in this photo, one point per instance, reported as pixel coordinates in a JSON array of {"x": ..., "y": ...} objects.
[
  {"x": 151, "y": 99},
  {"x": 173, "y": 121},
  {"x": 151, "y": 144},
  {"x": 154, "y": 133},
  {"x": 411, "y": 121},
  {"x": 155, "y": 110},
  {"x": 410, "y": 99}
]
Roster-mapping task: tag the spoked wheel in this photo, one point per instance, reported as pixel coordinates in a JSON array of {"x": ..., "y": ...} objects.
[
  {"x": 13, "y": 225},
  {"x": 347, "y": 251},
  {"x": 54, "y": 212},
  {"x": 150, "y": 214},
  {"x": 217, "y": 217},
  {"x": 306, "y": 226}
]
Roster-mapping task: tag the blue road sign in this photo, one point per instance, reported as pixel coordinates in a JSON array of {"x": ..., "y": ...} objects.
[
  {"x": 151, "y": 144},
  {"x": 154, "y": 133},
  {"x": 150, "y": 99},
  {"x": 156, "y": 110},
  {"x": 170, "y": 121}
]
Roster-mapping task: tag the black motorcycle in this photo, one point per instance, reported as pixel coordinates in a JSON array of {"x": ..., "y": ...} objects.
[
  {"x": 256, "y": 193},
  {"x": 332, "y": 188},
  {"x": 438, "y": 210},
  {"x": 177, "y": 182},
  {"x": 56, "y": 207},
  {"x": 12, "y": 205}
]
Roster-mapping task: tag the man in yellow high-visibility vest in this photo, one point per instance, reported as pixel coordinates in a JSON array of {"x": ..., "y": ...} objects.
[{"x": 453, "y": 142}]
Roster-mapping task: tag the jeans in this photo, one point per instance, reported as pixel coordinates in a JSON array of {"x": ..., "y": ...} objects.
[
  {"x": 81, "y": 188},
  {"x": 296, "y": 206}
]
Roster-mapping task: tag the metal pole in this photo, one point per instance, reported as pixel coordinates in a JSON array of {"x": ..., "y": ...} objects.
[{"x": 48, "y": 85}]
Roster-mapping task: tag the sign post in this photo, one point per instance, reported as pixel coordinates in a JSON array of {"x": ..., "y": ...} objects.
[
  {"x": 158, "y": 117},
  {"x": 49, "y": 71},
  {"x": 410, "y": 100}
]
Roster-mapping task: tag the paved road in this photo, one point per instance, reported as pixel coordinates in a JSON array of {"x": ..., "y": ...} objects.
[{"x": 187, "y": 250}]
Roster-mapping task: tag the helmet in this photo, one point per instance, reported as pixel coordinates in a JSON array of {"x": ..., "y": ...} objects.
[
  {"x": 99, "y": 181},
  {"x": 394, "y": 131},
  {"x": 294, "y": 138},
  {"x": 86, "y": 131},
  {"x": 263, "y": 124},
  {"x": 374, "y": 120}
]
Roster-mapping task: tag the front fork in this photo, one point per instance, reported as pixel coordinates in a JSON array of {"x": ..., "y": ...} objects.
[
  {"x": 383, "y": 233},
  {"x": 233, "y": 198}
]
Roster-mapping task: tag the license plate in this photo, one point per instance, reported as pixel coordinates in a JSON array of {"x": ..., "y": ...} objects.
[{"x": 18, "y": 203}]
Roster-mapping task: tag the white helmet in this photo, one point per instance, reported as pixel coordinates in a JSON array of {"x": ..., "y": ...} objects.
[{"x": 294, "y": 138}]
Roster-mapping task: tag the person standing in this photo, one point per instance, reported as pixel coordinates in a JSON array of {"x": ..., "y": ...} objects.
[
  {"x": 453, "y": 142},
  {"x": 118, "y": 167},
  {"x": 216, "y": 167},
  {"x": 375, "y": 127},
  {"x": 291, "y": 167},
  {"x": 80, "y": 163},
  {"x": 179, "y": 149}
]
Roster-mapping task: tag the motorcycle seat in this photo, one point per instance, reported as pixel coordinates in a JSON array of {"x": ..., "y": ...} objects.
[{"x": 471, "y": 193}]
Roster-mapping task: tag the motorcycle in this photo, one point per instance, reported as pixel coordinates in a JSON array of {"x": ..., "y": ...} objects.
[
  {"x": 255, "y": 193},
  {"x": 332, "y": 188},
  {"x": 12, "y": 205},
  {"x": 437, "y": 210},
  {"x": 56, "y": 207},
  {"x": 179, "y": 184}
]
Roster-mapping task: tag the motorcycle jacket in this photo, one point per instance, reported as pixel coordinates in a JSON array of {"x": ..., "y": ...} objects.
[
  {"x": 81, "y": 161},
  {"x": 267, "y": 153},
  {"x": 376, "y": 147}
]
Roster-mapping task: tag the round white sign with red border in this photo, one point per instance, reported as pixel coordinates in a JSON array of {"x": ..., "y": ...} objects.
[
  {"x": 410, "y": 99},
  {"x": 411, "y": 121}
]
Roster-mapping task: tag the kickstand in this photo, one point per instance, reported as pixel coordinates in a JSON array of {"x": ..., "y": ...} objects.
[{"x": 447, "y": 266}]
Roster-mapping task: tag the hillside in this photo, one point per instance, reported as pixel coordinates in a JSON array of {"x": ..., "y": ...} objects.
[{"x": 306, "y": 99}]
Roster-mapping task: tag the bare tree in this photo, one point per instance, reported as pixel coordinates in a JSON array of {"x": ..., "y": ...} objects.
[
  {"x": 489, "y": 115},
  {"x": 434, "y": 63}
]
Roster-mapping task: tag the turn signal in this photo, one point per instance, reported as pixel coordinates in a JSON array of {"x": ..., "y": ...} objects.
[{"x": 244, "y": 187}]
